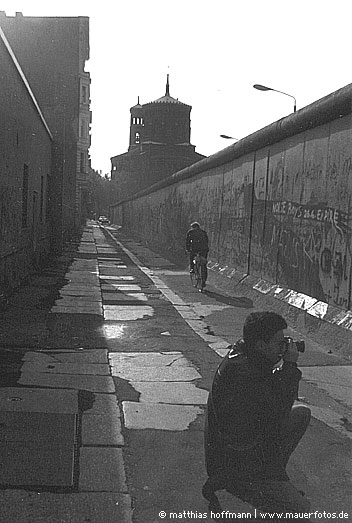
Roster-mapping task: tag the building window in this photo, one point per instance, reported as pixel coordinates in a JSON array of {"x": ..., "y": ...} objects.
[
  {"x": 82, "y": 163},
  {"x": 137, "y": 138},
  {"x": 25, "y": 196},
  {"x": 41, "y": 214},
  {"x": 83, "y": 130},
  {"x": 84, "y": 94},
  {"x": 48, "y": 197}
]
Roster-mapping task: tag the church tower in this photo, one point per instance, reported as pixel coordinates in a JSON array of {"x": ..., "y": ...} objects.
[
  {"x": 159, "y": 146},
  {"x": 136, "y": 126},
  {"x": 167, "y": 120}
]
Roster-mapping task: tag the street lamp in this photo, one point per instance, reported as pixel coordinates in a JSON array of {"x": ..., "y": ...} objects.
[
  {"x": 264, "y": 88},
  {"x": 228, "y": 137}
]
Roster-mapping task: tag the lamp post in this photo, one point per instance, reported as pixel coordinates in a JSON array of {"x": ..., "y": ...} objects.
[
  {"x": 228, "y": 137},
  {"x": 264, "y": 88}
]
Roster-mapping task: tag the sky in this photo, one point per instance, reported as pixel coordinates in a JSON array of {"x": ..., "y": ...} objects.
[{"x": 214, "y": 52}]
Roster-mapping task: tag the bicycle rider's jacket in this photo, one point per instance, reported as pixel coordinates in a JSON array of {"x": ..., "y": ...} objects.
[
  {"x": 247, "y": 405},
  {"x": 197, "y": 241}
]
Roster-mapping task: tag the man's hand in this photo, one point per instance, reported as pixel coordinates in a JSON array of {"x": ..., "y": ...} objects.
[{"x": 291, "y": 354}]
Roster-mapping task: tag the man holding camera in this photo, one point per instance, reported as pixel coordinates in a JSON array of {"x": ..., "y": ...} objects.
[{"x": 252, "y": 427}]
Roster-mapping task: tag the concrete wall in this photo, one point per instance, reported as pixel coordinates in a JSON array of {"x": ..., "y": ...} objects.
[
  {"x": 276, "y": 204},
  {"x": 25, "y": 147}
]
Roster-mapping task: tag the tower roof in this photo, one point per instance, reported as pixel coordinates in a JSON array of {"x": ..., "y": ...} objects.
[
  {"x": 167, "y": 99},
  {"x": 136, "y": 108}
]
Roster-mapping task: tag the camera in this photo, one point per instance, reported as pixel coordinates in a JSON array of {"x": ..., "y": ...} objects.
[{"x": 300, "y": 345}]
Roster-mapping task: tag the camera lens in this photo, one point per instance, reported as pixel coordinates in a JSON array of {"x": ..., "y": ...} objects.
[{"x": 301, "y": 346}]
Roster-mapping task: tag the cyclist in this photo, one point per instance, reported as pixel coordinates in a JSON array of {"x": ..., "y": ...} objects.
[{"x": 197, "y": 243}]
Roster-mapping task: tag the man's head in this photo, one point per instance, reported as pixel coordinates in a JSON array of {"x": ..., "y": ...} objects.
[
  {"x": 263, "y": 331},
  {"x": 195, "y": 225}
]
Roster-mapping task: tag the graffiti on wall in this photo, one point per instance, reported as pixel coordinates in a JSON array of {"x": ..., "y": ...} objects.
[
  {"x": 311, "y": 246},
  {"x": 281, "y": 214}
]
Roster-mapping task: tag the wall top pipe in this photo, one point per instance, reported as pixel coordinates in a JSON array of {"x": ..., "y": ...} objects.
[{"x": 333, "y": 106}]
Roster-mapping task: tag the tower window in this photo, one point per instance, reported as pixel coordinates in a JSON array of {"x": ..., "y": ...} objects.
[
  {"x": 137, "y": 138},
  {"x": 84, "y": 93}
]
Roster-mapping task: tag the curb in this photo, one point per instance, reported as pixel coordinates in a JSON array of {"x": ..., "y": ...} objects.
[{"x": 330, "y": 324}]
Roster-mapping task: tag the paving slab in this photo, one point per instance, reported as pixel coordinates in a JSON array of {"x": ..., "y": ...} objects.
[
  {"x": 20, "y": 399},
  {"x": 102, "y": 470},
  {"x": 77, "y": 309},
  {"x": 92, "y": 287},
  {"x": 110, "y": 260},
  {"x": 104, "y": 403},
  {"x": 82, "y": 276},
  {"x": 156, "y": 373},
  {"x": 127, "y": 313},
  {"x": 31, "y": 464},
  {"x": 147, "y": 359},
  {"x": 127, "y": 288},
  {"x": 81, "y": 298},
  {"x": 74, "y": 356},
  {"x": 117, "y": 298},
  {"x": 159, "y": 416},
  {"x": 181, "y": 393},
  {"x": 109, "y": 271},
  {"x": 101, "y": 429},
  {"x": 66, "y": 381},
  {"x": 133, "y": 332},
  {"x": 45, "y": 507},
  {"x": 38, "y": 427},
  {"x": 95, "y": 369},
  {"x": 123, "y": 279}
]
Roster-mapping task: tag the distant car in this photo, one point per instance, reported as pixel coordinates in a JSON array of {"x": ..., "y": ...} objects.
[{"x": 103, "y": 220}]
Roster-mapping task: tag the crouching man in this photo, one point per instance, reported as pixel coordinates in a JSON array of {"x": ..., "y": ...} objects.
[{"x": 252, "y": 427}]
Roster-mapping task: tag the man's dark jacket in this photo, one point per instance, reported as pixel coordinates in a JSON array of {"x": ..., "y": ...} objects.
[
  {"x": 247, "y": 407},
  {"x": 197, "y": 241}
]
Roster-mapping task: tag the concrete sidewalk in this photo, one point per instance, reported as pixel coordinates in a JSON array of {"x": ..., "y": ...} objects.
[{"x": 60, "y": 422}]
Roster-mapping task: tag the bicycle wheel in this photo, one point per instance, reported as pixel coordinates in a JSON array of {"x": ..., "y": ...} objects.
[
  {"x": 193, "y": 278},
  {"x": 198, "y": 276},
  {"x": 202, "y": 275}
]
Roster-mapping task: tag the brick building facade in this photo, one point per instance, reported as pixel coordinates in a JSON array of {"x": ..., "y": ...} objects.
[
  {"x": 44, "y": 138},
  {"x": 52, "y": 52},
  {"x": 25, "y": 174}
]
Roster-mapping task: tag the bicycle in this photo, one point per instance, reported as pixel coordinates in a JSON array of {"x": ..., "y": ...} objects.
[{"x": 198, "y": 276}]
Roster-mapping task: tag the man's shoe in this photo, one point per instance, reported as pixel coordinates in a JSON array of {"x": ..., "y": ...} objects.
[{"x": 209, "y": 494}]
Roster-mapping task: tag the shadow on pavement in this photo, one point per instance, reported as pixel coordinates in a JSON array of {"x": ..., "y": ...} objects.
[{"x": 245, "y": 303}]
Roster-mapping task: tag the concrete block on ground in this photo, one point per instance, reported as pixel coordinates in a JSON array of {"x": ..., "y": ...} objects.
[
  {"x": 66, "y": 381},
  {"x": 26, "y": 463},
  {"x": 21, "y": 506},
  {"x": 95, "y": 369},
  {"x": 81, "y": 356},
  {"x": 20, "y": 399}
]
